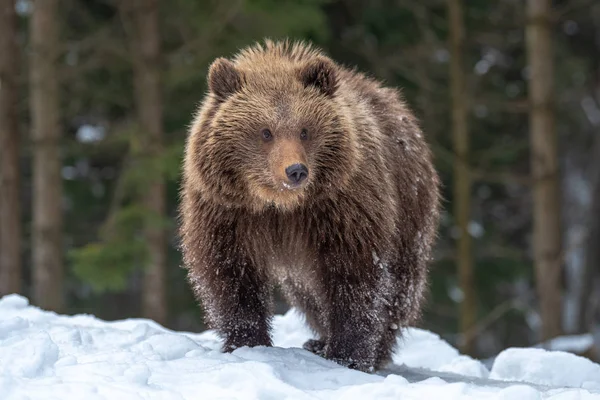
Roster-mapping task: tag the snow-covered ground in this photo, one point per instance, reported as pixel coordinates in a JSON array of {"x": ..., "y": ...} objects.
[{"x": 48, "y": 356}]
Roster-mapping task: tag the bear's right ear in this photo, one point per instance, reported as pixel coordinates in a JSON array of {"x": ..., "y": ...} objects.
[{"x": 223, "y": 78}]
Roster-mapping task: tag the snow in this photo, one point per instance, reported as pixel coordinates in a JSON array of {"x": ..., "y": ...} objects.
[
  {"x": 540, "y": 366},
  {"x": 423, "y": 349},
  {"x": 48, "y": 356},
  {"x": 573, "y": 343}
]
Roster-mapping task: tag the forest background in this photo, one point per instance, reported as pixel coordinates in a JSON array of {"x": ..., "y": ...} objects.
[{"x": 96, "y": 97}]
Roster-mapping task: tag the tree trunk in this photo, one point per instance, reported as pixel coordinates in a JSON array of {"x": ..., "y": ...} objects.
[
  {"x": 10, "y": 206},
  {"x": 144, "y": 39},
  {"x": 544, "y": 167},
  {"x": 591, "y": 271},
  {"x": 462, "y": 179},
  {"x": 47, "y": 181},
  {"x": 587, "y": 307}
]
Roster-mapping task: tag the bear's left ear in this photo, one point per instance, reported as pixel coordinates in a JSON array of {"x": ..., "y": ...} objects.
[
  {"x": 320, "y": 73},
  {"x": 223, "y": 78}
]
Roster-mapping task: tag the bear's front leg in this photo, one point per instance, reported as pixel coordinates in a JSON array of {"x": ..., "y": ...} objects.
[
  {"x": 356, "y": 313},
  {"x": 355, "y": 330},
  {"x": 235, "y": 295},
  {"x": 239, "y": 308}
]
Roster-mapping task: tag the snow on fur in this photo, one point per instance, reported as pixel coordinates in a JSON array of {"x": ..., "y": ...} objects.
[{"x": 48, "y": 356}]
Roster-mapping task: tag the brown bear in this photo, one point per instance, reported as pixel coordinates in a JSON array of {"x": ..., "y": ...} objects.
[{"x": 303, "y": 173}]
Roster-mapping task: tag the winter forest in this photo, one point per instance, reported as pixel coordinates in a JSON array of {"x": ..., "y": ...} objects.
[{"x": 96, "y": 98}]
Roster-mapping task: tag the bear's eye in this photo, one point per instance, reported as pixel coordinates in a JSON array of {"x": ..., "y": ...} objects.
[
  {"x": 266, "y": 134},
  {"x": 303, "y": 134}
]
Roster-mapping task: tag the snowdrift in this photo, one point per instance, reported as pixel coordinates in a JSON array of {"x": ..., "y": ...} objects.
[{"x": 48, "y": 356}]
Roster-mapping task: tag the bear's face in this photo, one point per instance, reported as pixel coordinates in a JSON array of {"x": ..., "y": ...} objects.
[{"x": 274, "y": 134}]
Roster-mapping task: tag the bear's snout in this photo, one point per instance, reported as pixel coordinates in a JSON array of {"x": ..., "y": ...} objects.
[{"x": 296, "y": 173}]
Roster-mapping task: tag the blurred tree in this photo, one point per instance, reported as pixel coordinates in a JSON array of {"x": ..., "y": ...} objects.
[
  {"x": 588, "y": 303},
  {"x": 46, "y": 130},
  {"x": 10, "y": 207},
  {"x": 142, "y": 29},
  {"x": 547, "y": 233},
  {"x": 462, "y": 179}
]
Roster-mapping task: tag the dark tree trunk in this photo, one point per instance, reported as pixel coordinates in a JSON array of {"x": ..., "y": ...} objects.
[
  {"x": 547, "y": 243},
  {"x": 47, "y": 181},
  {"x": 586, "y": 308},
  {"x": 10, "y": 206},
  {"x": 462, "y": 179},
  {"x": 588, "y": 304}
]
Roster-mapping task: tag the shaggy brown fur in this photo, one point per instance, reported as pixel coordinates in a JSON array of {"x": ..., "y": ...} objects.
[{"x": 349, "y": 244}]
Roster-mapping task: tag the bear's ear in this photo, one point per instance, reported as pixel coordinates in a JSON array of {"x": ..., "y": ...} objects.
[
  {"x": 321, "y": 74},
  {"x": 223, "y": 78}
]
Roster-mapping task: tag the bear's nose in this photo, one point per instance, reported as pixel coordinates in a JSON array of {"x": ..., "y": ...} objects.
[{"x": 296, "y": 173}]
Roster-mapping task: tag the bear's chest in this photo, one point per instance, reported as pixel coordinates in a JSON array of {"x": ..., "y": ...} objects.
[{"x": 280, "y": 242}]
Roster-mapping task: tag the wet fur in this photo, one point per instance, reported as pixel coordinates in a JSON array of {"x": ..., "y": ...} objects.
[{"x": 350, "y": 249}]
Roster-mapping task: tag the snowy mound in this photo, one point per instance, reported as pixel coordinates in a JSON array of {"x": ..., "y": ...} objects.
[
  {"x": 540, "y": 366},
  {"x": 48, "y": 356}
]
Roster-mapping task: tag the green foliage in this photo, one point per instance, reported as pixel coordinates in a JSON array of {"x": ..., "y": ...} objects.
[
  {"x": 288, "y": 18},
  {"x": 121, "y": 248},
  {"x": 193, "y": 34},
  {"x": 106, "y": 264},
  {"x": 171, "y": 161},
  {"x": 402, "y": 42}
]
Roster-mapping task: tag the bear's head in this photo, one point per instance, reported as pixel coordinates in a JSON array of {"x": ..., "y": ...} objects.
[{"x": 273, "y": 131}]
